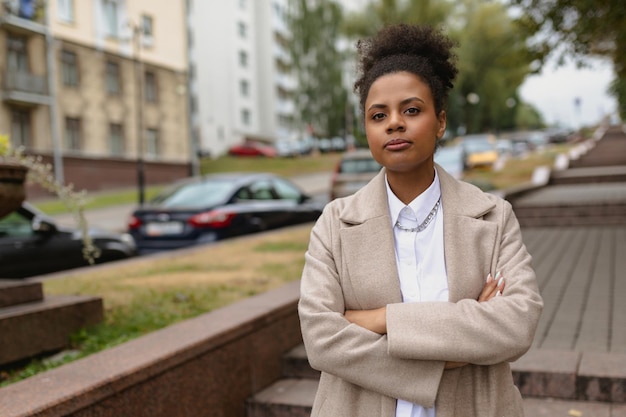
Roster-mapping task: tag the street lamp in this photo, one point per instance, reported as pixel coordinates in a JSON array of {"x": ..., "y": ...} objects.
[{"x": 136, "y": 30}]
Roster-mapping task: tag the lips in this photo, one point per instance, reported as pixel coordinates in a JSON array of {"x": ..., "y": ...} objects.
[{"x": 397, "y": 144}]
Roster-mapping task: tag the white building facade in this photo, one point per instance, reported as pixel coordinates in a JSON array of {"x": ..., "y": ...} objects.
[{"x": 240, "y": 82}]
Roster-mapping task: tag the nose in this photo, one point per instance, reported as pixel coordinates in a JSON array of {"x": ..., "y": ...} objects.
[{"x": 395, "y": 122}]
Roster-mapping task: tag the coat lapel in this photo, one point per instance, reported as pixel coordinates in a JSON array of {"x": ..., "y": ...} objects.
[
  {"x": 469, "y": 241},
  {"x": 367, "y": 243},
  {"x": 369, "y": 260}
]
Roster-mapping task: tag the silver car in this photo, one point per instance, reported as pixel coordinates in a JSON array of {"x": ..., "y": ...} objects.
[{"x": 355, "y": 169}]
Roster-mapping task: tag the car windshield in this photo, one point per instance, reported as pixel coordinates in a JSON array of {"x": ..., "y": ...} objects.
[
  {"x": 357, "y": 166},
  {"x": 478, "y": 146},
  {"x": 447, "y": 155},
  {"x": 195, "y": 195}
]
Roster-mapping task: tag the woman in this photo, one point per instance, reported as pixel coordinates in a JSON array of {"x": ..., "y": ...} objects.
[{"x": 398, "y": 306}]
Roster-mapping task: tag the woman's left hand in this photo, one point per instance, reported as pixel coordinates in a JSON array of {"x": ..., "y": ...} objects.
[{"x": 493, "y": 288}]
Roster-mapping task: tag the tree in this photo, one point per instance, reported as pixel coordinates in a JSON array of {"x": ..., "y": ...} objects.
[
  {"x": 580, "y": 28},
  {"x": 493, "y": 62},
  {"x": 320, "y": 96},
  {"x": 493, "y": 55},
  {"x": 379, "y": 13}
]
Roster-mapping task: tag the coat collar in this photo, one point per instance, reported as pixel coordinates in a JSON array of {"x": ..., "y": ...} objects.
[
  {"x": 363, "y": 206},
  {"x": 465, "y": 236}
]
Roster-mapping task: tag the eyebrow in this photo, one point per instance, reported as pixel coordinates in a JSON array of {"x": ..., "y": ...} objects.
[{"x": 403, "y": 102}]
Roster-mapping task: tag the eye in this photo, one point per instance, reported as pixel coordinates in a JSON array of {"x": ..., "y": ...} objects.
[
  {"x": 412, "y": 110},
  {"x": 378, "y": 116}
]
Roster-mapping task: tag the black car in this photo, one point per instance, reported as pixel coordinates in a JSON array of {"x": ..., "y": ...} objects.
[
  {"x": 31, "y": 244},
  {"x": 213, "y": 207}
]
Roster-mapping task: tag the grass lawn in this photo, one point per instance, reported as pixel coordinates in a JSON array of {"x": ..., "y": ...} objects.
[{"x": 149, "y": 293}]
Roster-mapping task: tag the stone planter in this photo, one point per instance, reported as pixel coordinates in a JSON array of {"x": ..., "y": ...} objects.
[{"x": 12, "y": 190}]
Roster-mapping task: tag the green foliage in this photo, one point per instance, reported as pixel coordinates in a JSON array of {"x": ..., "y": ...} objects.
[
  {"x": 579, "y": 28},
  {"x": 385, "y": 12},
  {"x": 321, "y": 99},
  {"x": 493, "y": 63},
  {"x": 494, "y": 58}
]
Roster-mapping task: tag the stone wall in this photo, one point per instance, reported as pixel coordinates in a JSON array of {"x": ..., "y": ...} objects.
[{"x": 205, "y": 366}]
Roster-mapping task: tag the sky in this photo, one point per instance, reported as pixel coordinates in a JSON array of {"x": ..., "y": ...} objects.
[{"x": 555, "y": 90}]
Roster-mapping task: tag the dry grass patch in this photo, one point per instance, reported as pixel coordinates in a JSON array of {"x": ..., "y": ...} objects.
[
  {"x": 255, "y": 263},
  {"x": 149, "y": 293}
]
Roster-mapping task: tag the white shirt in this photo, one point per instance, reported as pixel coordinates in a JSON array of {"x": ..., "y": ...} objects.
[{"x": 420, "y": 280}]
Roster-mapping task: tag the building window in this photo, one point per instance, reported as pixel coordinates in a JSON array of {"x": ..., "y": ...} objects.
[
  {"x": 111, "y": 18},
  {"x": 150, "y": 87},
  {"x": 20, "y": 128},
  {"x": 244, "y": 87},
  {"x": 65, "y": 9},
  {"x": 246, "y": 118},
  {"x": 17, "y": 55},
  {"x": 72, "y": 133},
  {"x": 112, "y": 78},
  {"x": 69, "y": 68},
  {"x": 116, "y": 139},
  {"x": 147, "y": 30},
  {"x": 243, "y": 29},
  {"x": 243, "y": 58},
  {"x": 152, "y": 143}
]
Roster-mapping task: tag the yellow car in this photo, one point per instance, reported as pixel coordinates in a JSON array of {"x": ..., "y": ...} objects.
[{"x": 479, "y": 151}]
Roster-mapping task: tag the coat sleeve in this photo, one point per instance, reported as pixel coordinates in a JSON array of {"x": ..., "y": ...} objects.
[
  {"x": 487, "y": 333},
  {"x": 346, "y": 350}
]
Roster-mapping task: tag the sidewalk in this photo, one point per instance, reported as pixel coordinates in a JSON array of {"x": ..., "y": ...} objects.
[{"x": 576, "y": 233}]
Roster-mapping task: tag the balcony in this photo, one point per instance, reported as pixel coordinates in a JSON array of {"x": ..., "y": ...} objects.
[
  {"x": 22, "y": 17},
  {"x": 24, "y": 88}
]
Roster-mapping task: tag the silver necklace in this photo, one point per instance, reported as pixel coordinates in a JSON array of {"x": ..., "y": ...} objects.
[{"x": 425, "y": 223}]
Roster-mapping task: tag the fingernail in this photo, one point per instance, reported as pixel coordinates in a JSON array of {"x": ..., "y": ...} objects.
[
  {"x": 500, "y": 281},
  {"x": 497, "y": 274},
  {"x": 498, "y": 294},
  {"x": 489, "y": 277}
]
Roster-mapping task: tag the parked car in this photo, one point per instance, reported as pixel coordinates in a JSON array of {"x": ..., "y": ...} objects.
[
  {"x": 31, "y": 243},
  {"x": 450, "y": 158},
  {"x": 479, "y": 150},
  {"x": 355, "y": 169},
  {"x": 218, "y": 206},
  {"x": 252, "y": 149},
  {"x": 504, "y": 147}
]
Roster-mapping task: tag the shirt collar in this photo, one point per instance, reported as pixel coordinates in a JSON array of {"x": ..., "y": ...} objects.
[{"x": 421, "y": 205}]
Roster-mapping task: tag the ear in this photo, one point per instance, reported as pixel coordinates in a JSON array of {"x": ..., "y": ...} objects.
[{"x": 442, "y": 117}]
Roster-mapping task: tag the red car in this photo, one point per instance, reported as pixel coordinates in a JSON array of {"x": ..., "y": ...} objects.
[{"x": 252, "y": 149}]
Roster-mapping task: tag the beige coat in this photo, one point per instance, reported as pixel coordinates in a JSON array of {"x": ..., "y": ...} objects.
[{"x": 350, "y": 264}]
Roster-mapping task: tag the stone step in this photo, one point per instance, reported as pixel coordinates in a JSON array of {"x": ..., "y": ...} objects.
[
  {"x": 540, "y": 373},
  {"x": 296, "y": 365},
  {"x": 31, "y": 329},
  {"x": 588, "y": 175},
  {"x": 294, "y": 398},
  {"x": 14, "y": 292},
  {"x": 289, "y": 397},
  {"x": 571, "y": 215}
]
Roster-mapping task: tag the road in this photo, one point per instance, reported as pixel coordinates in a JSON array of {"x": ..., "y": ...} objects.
[{"x": 115, "y": 218}]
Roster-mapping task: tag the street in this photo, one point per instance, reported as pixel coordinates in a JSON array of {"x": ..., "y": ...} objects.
[{"x": 115, "y": 218}]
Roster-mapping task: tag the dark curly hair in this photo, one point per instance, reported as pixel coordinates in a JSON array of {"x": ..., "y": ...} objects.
[{"x": 420, "y": 50}]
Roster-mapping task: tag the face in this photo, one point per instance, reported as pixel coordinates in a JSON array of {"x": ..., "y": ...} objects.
[{"x": 401, "y": 123}]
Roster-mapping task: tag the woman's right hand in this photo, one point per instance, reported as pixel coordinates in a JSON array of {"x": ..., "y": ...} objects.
[{"x": 493, "y": 288}]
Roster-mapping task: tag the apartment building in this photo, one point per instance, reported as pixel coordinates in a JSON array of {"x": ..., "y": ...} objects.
[
  {"x": 99, "y": 88},
  {"x": 240, "y": 81}
]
